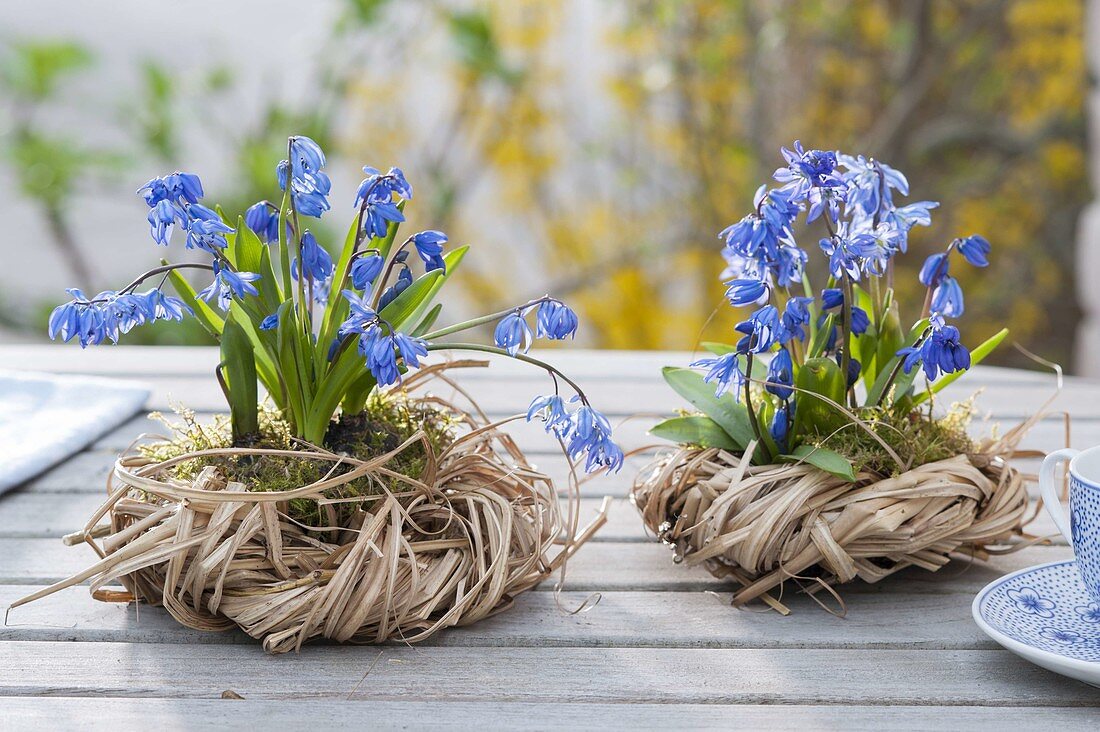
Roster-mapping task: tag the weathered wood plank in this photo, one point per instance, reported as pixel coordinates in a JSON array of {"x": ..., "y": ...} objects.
[
  {"x": 925, "y": 620},
  {"x": 33, "y": 714},
  {"x": 599, "y": 566},
  {"x": 623, "y": 675}
]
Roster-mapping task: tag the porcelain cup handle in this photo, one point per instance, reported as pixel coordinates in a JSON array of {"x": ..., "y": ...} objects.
[{"x": 1049, "y": 492}]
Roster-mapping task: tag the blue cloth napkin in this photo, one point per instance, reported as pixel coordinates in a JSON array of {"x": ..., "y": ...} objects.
[{"x": 45, "y": 418}]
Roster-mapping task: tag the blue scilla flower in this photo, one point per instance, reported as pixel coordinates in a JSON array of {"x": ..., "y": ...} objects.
[
  {"x": 381, "y": 188},
  {"x": 404, "y": 280},
  {"x": 765, "y": 235},
  {"x": 378, "y": 350},
  {"x": 975, "y": 249},
  {"x": 360, "y": 316},
  {"x": 306, "y": 156},
  {"x": 761, "y": 330},
  {"x": 832, "y": 297},
  {"x": 781, "y": 375},
  {"x": 175, "y": 188},
  {"x": 317, "y": 262},
  {"x": 590, "y": 433},
  {"x": 807, "y": 169},
  {"x": 162, "y": 219},
  {"x": 724, "y": 372},
  {"x": 555, "y": 320},
  {"x": 77, "y": 319},
  {"x": 746, "y": 291},
  {"x": 513, "y": 334},
  {"x": 796, "y": 314},
  {"x": 947, "y": 298},
  {"x": 934, "y": 269},
  {"x": 870, "y": 183},
  {"x": 939, "y": 351},
  {"x": 553, "y": 413},
  {"x": 271, "y": 322},
  {"x": 412, "y": 349},
  {"x": 780, "y": 427},
  {"x": 888, "y": 242},
  {"x": 906, "y": 217},
  {"x": 377, "y": 218},
  {"x": 429, "y": 245},
  {"x": 158, "y": 306},
  {"x": 848, "y": 249},
  {"x": 205, "y": 229},
  {"x": 228, "y": 284},
  {"x": 364, "y": 270},
  {"x": 309, "y": 185},
  {"x": 263, "y": 219}
]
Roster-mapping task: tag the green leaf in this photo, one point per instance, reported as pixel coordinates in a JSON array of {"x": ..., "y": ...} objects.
[
  {"x": 428, "y": 321},
  {"x": 694, "y": 430},
  {"x": 976, "y": 357},
  {"x": 206, "y": 315},
  {"x": 831, "y": 462},
  {"x": 718, "y": 349},
  {"x": 725, "y": 411},
  {"x": 814, "y": 416},
  {"x": 239, "y": 370}
]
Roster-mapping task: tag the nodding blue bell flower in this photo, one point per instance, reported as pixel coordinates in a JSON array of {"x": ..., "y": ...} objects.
[
  {"x": 780, "y": 377},
  {"x": 429, "y": 245},
  {"x": 832, "y": 299},
  {"x": 271, "y": 322},
  {"x": 781, "y": 425},
  {"x": 745, "y": 291},
  {"x": 175, "y": 188},
  {"x": 934, "y": 269},
  {"x": 380, "y": 188},
  {"x": 365, "y": 269},
  {"x": 724, "y": 372},
  {"x": 306, "y": 156},
  {"x": 513, "y": 334},
  {"x": 228, "y": 284},
  {"x": 381, "y": 355},
  {"x": 796, "y": 314},
  {"x": 315, "y": 258},
  {"x": 940, "y": 351},
  {"x": 947, "y": 298},
  {"x": 975, "y": 249},
  {"x": 590, "y": 433},
  {"x": 377, "y": 218},
  {"x": 555, "y": 320},
  {"x": 263, "y": 219},
  {"x": 162, "y": 217},
  {"x": 159, "y": 306},
  {"x": 404, "y": 279},
  {"x": 551, "y": 410},
  {"x": 761, "y": 330},
  {"x": 412, "y": 349},
  {"x": 206, "y": 230},
  {"x": 855, "y": 368},
  {"x": 860, "y": 321}
]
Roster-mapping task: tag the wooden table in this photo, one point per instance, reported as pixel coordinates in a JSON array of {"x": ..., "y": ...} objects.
[{"x": 662, "y": 648}]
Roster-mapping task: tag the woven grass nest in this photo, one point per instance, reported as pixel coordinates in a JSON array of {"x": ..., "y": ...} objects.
[
  {"x": 762, "y": 525},
  {"x": 450, "y": 546}
]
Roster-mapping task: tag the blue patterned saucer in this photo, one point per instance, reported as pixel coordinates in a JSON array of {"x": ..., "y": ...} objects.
[{"x": 1045, "y": 615}]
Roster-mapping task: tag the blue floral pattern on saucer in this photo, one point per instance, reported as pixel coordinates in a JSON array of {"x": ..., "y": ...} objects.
[{"x": 1045, "y": 608}]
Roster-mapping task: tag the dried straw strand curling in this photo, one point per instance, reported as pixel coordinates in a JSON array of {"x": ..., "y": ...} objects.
[
  {"x": 477, "y": 528},
  {"x": 763, "y": 525}
]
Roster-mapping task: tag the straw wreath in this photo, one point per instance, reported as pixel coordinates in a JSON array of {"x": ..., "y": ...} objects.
[
  {"x": 475, "y": 529},
  {"x": 762, "y": 525}
]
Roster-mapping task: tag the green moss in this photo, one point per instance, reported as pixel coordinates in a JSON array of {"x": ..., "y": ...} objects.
[
  {"x": 915, "y": 437},
  {"x": 385, "y": 423}
]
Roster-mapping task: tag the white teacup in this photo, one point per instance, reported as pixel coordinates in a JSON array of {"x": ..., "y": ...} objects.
[{"x": 1081, "y": 526}]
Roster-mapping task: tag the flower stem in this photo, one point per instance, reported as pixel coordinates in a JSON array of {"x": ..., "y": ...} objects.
[
  {"x": 553, "y": 371},
  {"x": 897, "y": 369},
  {"x": 162, "y": 270},
  {"x": 846, "y": 335},
  {"x": 482, "y": 320},
  {"x": 752, "y": 412}
]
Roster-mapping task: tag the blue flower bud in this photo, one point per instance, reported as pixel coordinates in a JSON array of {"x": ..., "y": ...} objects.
[
  {"x": 975, "y": 249},
  {"x": 364, "y": 270},
  {"x": 934, "y": 269}
]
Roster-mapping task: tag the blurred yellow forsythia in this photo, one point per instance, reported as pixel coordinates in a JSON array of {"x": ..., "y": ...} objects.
[{"x": 979, "y": 102}]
